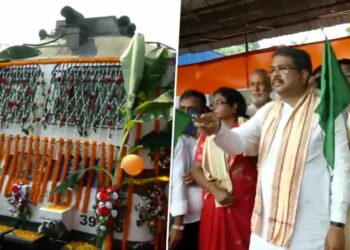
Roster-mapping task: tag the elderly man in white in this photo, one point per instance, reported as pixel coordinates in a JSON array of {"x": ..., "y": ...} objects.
[{"x": 300, "y": 203}]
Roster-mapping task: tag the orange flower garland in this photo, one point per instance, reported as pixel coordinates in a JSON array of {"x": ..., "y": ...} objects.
[
  {"x": 12, "y": 168},
  {"x": 35, "y": 164},
  {"x": 101, "y": 175},
  {"x": 2, "y": 154},
  {"x": 129, "y": 199},
  {"x": 37, "y": 182},
  {"x": 65, "y": 168},
  {"x": 127, "y": 217},
  {"x": 6, "y": 160},
  {"x": 90, "y": 178},
  {"x": 110, "y": 162},
  {"x": 28, "y": 160},
  {"x": 21, "y": 157},
  {"x": 74, "y": 168},
  {"x": 57, "y": 169},
  {"x": 2, "y": 142},
  {"x": 119, "y": 169},
  {"x": 47, "y": 170},
  {"x": 81, "y": 182}
]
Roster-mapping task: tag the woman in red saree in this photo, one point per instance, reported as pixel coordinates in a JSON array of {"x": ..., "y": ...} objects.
[{"x": 228, "y": 182}]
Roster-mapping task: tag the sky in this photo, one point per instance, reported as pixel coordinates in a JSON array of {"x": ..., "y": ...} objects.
[{"x": 21, "y": 20}]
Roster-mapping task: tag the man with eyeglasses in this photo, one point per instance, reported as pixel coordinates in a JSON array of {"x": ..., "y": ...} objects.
[
  {"x": 259, "y": 89},
  {"x": 300, "y": 203},
  {"x": 186, "y": 197}
]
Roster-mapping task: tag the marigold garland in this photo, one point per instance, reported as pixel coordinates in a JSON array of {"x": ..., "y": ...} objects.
[
  {"x": 119, "y": 169},
  {"x": 39, "y": 175},
  {"x": 26, "y": 235},
  {"x": 74, "y": 168},
  {"x": 28, "y": 161},
  {"x": 35, "y": 165},
  {"x": 81, "y": 182},
  {"x": 79, "y": 245},
  {"x": 21, "y": 157},
  {"x": 5, "y": 160},
  {"x": 110, "y": 162},
  {"x": 12, "y": 167},
  {"x": 90, "y": 178},
  {"x": 65, "y": 168},
  {"x": 47, "y": 170},
  {"x": 57, "y": 168},
  {"x": 4, "y": 228},
  {"x": 55, "y": 207},
  {"x": 2, "y": 142},
  {"x": 129, "y": 199},
  {"x": 101, "y": 175},
  {"x": 127, "y": 217}
]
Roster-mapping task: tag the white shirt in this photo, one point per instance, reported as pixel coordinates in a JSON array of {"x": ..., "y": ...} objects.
[
  {"x": 320, "y": 199},
  {"x": 185, "y": 199},
  {"x": 251, "y": 110}
]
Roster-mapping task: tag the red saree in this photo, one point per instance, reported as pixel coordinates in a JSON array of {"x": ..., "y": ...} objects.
[{"x": 228, "y": 228}]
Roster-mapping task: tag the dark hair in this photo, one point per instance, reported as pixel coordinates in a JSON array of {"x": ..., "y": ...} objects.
[
  {"x": 317, "y": 70},
  {"x": 344, "y": 61},
  {"x": 194, "y": 93},
  {"x": 300, "y": 57},
  {"x": 317, "y": 79},
  {"x": 233, "y": 96}
]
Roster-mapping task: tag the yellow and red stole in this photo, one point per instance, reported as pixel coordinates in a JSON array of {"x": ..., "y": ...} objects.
[
  {"x": 289, "y": 168},
  {"x": 215, "y": 163}
]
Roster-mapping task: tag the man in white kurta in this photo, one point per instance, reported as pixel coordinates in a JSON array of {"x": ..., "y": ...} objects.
[
  {"x": 324, "y": 193},
  {"x": 315, "y": 207}
]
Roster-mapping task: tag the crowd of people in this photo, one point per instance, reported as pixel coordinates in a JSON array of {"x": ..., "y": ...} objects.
[{"x": 255, "y": 176}]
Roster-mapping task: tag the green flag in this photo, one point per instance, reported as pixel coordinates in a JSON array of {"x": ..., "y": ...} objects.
[
  {"x": 182, "y": 119},
  {"x": 335, "y": 97}
]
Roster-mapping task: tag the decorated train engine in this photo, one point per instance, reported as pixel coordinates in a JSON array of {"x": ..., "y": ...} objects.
[{"x": 85, "y": 137}]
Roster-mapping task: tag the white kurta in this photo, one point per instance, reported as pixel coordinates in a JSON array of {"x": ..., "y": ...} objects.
[
  {"x": 185, "y": 199},
  {"x": 320, "y": 199}
]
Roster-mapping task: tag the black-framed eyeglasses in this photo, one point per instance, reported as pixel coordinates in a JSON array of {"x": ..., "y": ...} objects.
[
  {"x": 218, "y": 103},
  {"x": 282, "y": 69}
]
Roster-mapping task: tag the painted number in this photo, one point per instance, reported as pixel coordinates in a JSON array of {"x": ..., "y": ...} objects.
[{"x": 87, "y": 220}]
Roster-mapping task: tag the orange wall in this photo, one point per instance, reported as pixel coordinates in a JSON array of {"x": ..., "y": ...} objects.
[{"x": 233, "y": 71}]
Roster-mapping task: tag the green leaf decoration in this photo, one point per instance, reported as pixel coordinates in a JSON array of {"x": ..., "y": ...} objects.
[
  {"x": 18, "y": 52},
  {"x": 155, "y": 141},
  {"x": 161, "y": 107},
  {"x": 156, "y": 62},
  {"x": 132, "y": 62},
  {"x": 182, "y": 120},
  {"x": 131, "y": 123},
  {"x": 73, "y": 179}
]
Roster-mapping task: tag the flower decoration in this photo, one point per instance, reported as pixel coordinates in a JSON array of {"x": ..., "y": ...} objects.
[
  {"x": 79, "y": 245},
  {"x": 107, "y": 207},
  {"x": 152, "y": 208},
  {"x": 19, "y": 202}
]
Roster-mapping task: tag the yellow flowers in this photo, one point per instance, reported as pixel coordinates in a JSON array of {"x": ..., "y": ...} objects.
[
  {"x": 79, "y": 245},
  {"x": 4, "y": 228},
  {"x": 56, "y": 207},
  {"x": 26, "y": 235}
]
